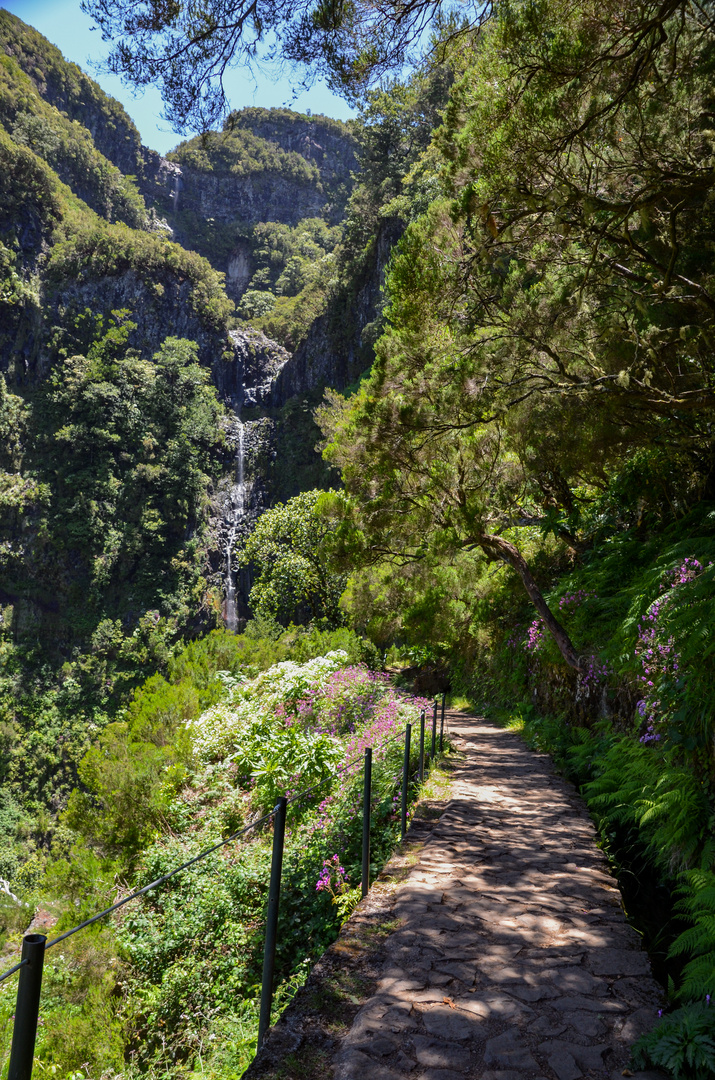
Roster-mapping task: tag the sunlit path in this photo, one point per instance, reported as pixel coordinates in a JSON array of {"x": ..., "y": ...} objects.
[{"x": 512, "y": 958}]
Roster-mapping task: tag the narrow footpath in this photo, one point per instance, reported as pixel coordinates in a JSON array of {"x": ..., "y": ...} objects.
[{"x": 511, "y": 958}]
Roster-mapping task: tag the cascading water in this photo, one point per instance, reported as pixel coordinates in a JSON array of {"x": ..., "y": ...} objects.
[{"x": 236, "y": 514}]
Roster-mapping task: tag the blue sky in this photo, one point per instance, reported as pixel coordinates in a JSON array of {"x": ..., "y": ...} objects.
[{"x": 64, "y": 24}]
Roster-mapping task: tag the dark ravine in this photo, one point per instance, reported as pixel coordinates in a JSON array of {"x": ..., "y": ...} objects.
[{"x": 339, "y": 345}]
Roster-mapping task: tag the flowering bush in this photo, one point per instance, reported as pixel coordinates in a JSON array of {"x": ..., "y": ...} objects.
[
  {"x": 296, "y": 724},
  {"x": 344, "y": 701},
  {"x": 333, "y": 881},
  {"x": 656, "y": 650},
  {"x": 332, "y": 878},
  {"x": 295, "y": 729},
  {"x": 572, "y": 600},
  {"x": 594, "y": 675},
  {"x": 252, "y": 707},
  {"x": 535, "y": 637}
]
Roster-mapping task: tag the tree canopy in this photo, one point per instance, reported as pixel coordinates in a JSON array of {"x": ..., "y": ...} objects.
[
  {"x": 551, "y": 312},
  {"x": 186, "y": 48},
  {"x": 288, "y": 553}
]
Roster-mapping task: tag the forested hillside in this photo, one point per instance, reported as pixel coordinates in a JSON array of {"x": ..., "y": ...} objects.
[{"x": 433, "y": 388}]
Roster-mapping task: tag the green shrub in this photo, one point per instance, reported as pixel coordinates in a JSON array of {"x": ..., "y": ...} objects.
[
  {"x": 129, "y": 783},
  {"x": 683, "y": 1043}
]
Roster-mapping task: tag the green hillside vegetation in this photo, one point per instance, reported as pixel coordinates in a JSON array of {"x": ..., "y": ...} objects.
[
  {"x": 65, "y": 86},
  {"x": 527, "y": 510},
  {"x": 194, "y": 757},
  {"x": 292, "y": 283},
  {"x": 276, "y": 122},
  {"x": 112, "y": 441},
  {"x": 242, "y": 153},
  {"x": 250, "y": 143},
  {"x": 67, "y": 146}
]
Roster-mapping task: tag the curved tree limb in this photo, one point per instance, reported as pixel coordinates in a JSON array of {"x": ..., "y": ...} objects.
[{"x": 499, "y": 548}]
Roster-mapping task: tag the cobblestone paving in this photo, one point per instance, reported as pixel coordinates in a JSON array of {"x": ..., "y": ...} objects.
[{"x": 512, "y": 959}]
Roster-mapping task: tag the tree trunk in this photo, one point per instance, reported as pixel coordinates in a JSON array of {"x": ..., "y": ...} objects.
[{"x": 496, "y": 546}]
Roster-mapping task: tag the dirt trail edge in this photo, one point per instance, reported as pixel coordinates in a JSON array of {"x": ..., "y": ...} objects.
[{"x": 508, "y": 955}]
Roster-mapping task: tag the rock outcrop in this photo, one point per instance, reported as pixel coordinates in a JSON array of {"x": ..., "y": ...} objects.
[
  {"x": 339, "y": 345},
  {"x": 245, "y": 377}
]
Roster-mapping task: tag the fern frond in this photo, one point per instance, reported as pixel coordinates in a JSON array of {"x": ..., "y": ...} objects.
[
  {"x": 696, "y": 939},
  {"x": 698, "y": 978}
]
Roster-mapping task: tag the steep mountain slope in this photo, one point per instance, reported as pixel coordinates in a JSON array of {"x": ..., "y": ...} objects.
[
  {"x": 75, "y": 231},
  {"x": 143, "y": 422},
  {"x": 65, "y": 86},
  {"x": 267, "y": 165},
  {"x": 94, "y": 293},
  {"x": 103, "y": 325}
]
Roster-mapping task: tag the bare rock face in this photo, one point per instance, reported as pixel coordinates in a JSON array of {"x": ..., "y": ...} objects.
[
  {"x": 339, "y": 345},
  {"x": 244, "y": 376},
  {"x": 226, "y": 197},
  {"x": 239, "y": 270}
]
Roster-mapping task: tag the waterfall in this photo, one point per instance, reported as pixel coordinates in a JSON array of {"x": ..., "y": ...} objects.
[{"x": 235, "y": 517}]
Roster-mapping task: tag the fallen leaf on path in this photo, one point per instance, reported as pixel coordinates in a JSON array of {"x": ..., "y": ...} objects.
[{"x": 448, "y": 1001}]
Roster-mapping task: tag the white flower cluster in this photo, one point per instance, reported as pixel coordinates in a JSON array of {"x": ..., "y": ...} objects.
[{"x": 217, "y": 732}]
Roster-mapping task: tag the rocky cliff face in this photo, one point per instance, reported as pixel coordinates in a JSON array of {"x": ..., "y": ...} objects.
[
  {"x": 161, "y": 307},
  {"x": 326, "y": 142},
  {"x": 65, "y": 270},
  {"x": 339, "y": 345},
  {"x": 246, "y": 375},
  {"x": 268, "y": 165},
  {"x": 226, "y": 198}
]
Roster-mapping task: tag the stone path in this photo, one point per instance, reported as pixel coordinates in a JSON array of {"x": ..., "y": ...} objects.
[{"x": 512, "y": 959}]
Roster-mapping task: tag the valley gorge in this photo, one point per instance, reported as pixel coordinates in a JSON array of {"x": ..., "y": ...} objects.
[
  {"x": 306, "y": 428},
  {"x": 127, "y": 225}
]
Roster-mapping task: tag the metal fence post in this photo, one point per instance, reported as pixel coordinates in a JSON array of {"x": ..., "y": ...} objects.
[
  {"x": 433, "y": 753},
  {"x": 405, "y": 779},
  {"x": 27, "y": 1008},
  {"x": 274, "y": 891},
  {"x": 422, "y": 746},
  {"x": 441, "y": 727},
  {"x": 366, "y": 798}
]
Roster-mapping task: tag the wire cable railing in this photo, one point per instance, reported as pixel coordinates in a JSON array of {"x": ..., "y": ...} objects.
[{"x": 34, "y": 946}]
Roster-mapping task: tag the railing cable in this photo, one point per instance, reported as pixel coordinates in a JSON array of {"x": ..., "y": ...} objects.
[
  {"x": 160, "y": 880},
  {"x": 7, "y": 974},
  {"x": 197, "y": 858}
]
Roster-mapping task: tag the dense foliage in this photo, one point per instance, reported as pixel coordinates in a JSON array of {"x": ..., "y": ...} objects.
[
  {"x": 242, "y": 153},
  {"x": 294, "y": 271},
  {"x": 175, "y": 979},
  {"x": 289, "y": 550},
  {"x": 539, "y": 329},
  {"x": 527, "y": 504},
  {"x": 542, "y": 397},
  {"x": 66, "y": 87},
  {"x": 67, "y": 146}
]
